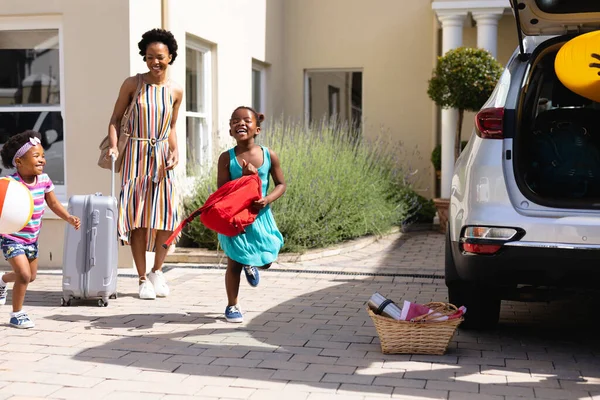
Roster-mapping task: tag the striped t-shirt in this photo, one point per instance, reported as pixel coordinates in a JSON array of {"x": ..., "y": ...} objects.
[{"x": 42, "y": 185}]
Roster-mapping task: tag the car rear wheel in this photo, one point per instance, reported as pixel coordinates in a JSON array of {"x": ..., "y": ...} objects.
[
  {"x": 483, "y": 305},
  {"x": 482, "y": 301}
]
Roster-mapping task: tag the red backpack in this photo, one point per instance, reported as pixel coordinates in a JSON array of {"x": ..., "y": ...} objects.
[{"x": 228, "y": 210}]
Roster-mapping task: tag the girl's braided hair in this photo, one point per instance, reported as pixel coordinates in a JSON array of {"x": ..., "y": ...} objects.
[{"x": 259, "y": 117}]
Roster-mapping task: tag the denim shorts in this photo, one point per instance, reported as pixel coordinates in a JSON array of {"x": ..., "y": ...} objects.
[{"x": 11, "y": 249}]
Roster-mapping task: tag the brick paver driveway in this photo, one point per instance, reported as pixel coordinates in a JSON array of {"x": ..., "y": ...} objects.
[{"x": 306, "y": 336}]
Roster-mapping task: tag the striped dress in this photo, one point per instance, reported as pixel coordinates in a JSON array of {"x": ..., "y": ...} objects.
[
  {"x": 148, "y": 198},
  {"x": 42, "y": 185}
]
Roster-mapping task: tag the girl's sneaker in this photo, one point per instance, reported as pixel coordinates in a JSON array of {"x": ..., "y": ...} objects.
[
  {"x": 252, "y": 275},
  {"x": 3, "y": 294},
  {"x": 234, "y": 314},
  {"x": 21, "y": 320}
]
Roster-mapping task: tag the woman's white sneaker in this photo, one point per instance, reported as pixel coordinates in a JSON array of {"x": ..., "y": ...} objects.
[
  {"x": 147, "y": 290},
  {"x": 160, "y": 283}
]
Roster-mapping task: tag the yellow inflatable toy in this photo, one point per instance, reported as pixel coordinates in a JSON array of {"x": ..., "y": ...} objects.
[{"x": 577, "y": 65}]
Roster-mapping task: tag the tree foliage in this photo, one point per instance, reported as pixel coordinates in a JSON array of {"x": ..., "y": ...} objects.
[{"x": 464, "y": 78}]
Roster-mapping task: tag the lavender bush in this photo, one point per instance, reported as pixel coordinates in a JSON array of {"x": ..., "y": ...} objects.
[{"x": 339, "y": 186}]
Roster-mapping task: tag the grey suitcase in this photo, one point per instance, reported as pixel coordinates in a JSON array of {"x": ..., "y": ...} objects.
[{"x": 91, "y": 253}]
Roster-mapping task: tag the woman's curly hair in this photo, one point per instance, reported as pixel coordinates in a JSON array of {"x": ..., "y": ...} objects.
[
  {"x": 161, "y": 36},
  {"x": 13, "y": 144}
]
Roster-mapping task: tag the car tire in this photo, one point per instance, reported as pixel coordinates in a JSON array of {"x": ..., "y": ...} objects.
[
  {"x": 483, "y": 305},
  {"x": 450, "y": 273},
  {"x": 482, "y": 301}
]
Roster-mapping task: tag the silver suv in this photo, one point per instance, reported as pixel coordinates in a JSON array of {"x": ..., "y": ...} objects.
[{"x": 524, "y": 217}]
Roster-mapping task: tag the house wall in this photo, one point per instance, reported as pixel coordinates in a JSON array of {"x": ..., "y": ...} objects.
[
  {"x": 237, "y": 32},
  {"x": 391, "y": 42}
]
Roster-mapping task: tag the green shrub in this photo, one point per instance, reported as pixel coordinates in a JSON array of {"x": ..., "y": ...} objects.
[
  {"x": 339, "y": 186},
  {"x": 421, "y": 210},
  {"x": 436, "y": 155}
]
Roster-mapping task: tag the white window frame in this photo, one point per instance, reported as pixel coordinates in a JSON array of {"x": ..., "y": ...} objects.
[
  {"x": 207, "y": 81},
  {"x": 262, "y": 70},
  {"x": 40, "y": 23}
]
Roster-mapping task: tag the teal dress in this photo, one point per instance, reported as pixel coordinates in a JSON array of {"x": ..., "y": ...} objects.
[{"x": 262, "y": 241}]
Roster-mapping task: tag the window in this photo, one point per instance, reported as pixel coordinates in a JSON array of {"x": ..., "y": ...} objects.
[
  {"x": 333, "y": 94},
  {"x": 198, "y": 94},
  {"x": 30, "y": 92},
  {"x": 258, "y": 86}
]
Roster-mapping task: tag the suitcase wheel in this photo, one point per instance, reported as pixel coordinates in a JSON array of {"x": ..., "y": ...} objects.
[
  {"x": 64, "y": 302},
  {"x": 102, "y": 303},
  {"x": 113, "y": 296}
]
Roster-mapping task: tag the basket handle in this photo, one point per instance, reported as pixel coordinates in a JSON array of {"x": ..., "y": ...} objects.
[{"x": 439, "y": 308}]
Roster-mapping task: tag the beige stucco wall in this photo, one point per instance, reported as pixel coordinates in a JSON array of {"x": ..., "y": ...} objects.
[
  {"x": 391, "y": 42},
  {"x": 144, "y": 15},
  {"x": 96, "y": 60},
  {"x": 275, "y": 54},
  {"x": 237, "y": 32}
]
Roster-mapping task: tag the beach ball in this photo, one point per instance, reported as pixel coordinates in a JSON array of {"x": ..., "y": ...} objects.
[
  {"x": 16, "y": 205},
  {"x": 572, "y": 65}
]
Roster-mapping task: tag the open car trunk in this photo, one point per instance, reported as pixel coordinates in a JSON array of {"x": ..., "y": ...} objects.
[
  {"x": 556, "y": 17},
  {"x": 557, "y": 142}
]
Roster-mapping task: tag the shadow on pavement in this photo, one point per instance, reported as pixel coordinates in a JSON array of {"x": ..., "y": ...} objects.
[{"x": 325, "y": 339}]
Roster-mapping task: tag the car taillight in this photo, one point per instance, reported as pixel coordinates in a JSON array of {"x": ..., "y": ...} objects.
[
  {"x": 486, "y": 239},
  {"x": 481, "y": 248},
  {"x": 489, "y": 123}
]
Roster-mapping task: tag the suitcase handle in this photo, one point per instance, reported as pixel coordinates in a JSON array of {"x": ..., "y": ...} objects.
[
  {"x": 93, "y": 247},
  {"x": 113, "y": 160}
]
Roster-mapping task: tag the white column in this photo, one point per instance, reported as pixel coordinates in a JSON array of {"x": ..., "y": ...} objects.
[
  {"x": 487, "y": 29},
  {"x": 452, "y": 37}
]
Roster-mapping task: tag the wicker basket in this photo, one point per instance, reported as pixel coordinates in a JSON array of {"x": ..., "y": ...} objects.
[{"x": 419, "y": 336}]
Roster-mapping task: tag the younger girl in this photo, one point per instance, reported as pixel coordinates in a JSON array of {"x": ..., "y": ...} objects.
[
  {"x": 260, "y": 245},
  {"x": 25, "y": 152}
]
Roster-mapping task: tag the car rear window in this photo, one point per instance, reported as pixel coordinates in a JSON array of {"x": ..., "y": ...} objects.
[{"x": 568, "y": 6}]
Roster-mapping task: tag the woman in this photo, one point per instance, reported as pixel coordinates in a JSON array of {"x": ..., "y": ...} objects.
[{"x": 148, "y": 204}]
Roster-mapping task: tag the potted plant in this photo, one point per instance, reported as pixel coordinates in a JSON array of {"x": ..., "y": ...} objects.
[
  {"x": 436, "y": 157},
  {"x": 463, "y": 79}
]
